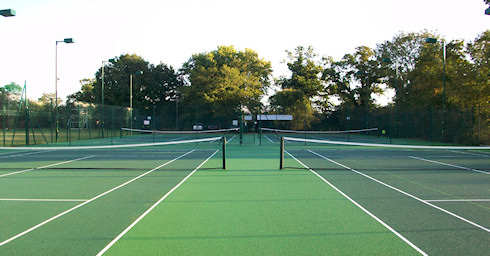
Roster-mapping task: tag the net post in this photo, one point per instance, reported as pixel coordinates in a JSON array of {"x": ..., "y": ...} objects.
[
  {"x": 281, "y": 160},
  {"x": 223, "y": 141}
]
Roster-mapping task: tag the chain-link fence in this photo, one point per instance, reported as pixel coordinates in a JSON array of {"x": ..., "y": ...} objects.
[{"x": 46, "y": 124}]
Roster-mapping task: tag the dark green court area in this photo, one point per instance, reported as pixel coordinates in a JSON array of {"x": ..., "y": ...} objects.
[{"x": 177, "y": 200}]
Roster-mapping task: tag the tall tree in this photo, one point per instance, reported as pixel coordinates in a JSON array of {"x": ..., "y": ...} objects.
[
  {"x": 399, "y": 56},
  {"x": 156, "y": 87},
  {"x": 354, "y": 78},
  {"x": 299, "y": 91},
  {"x": 225, "y": 81}
]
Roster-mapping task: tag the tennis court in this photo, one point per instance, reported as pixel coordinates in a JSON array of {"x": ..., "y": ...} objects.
[{"x": 164, "y": 198}]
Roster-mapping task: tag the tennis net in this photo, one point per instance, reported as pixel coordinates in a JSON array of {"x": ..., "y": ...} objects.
[
  {"x": 134, "y": 135},
  {"x": 359, "y": 135},
  {"x": 322, "y": 154},
  {"x": 133, "y": 156}
]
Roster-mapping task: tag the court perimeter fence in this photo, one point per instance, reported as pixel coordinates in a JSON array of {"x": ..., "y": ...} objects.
[{"x": 80, "y": 121}]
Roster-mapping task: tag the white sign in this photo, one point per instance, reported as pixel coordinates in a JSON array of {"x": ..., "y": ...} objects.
[
  {"x": 235, "y": 122},
  {"x": 275, "y": 117},
  {"x": 146, "y": 122}
]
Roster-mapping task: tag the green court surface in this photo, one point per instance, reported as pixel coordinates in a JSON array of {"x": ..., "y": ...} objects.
[{"x": 177, "y": 201}]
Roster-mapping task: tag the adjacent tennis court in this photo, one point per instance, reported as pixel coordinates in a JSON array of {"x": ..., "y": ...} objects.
[{"x": 156, "y": 195}]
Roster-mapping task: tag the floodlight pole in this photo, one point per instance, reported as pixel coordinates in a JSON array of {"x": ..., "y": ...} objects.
[
  {"x": 131, "y": 97},
  {"x": 68, "y": 41},
  {"x": 103, "y": 107},
  {"x": 433, "y": 41}
]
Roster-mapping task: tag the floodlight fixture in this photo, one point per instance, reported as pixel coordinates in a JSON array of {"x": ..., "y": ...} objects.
[
  {"x": 487, "y": 11},
  {"x": 431, "y": 40},
  {"x": 7, "y": 13},
  {"x": 67, "y": 41}
]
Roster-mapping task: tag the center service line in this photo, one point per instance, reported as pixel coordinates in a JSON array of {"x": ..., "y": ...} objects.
[{"x": 152, "y": 207}]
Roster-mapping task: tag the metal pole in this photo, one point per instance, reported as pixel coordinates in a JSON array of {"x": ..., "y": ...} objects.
[
  {"x": 4, "y": 119},
  {"x": 176, "y": 113},
  {"x": 27, "y": 114},
  {"x": 154, "y": 122},
  {"x": 224, "y": 152},
  {"x": 131, "y": 101},
  {"x": 281, "y": 160},
  {"x": 51, "y": 118},
  {"x": 56, "y": 92},
  {"x": 103, "y": 110},
  {"x": 443, "y": 90}
]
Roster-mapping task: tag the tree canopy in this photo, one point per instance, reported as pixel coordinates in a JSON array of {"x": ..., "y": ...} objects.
[{"x": 225, "y": 82}]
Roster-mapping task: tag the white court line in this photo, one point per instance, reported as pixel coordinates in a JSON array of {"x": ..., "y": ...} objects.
[
  {"x": 42, "y": 200},
  {"x": 459, "y": 200},
  {"x": 25, "y": 154},
  {"x": 46, "y": 166},
  {"x": 108, "y": 246},
  {"x": 451, "y": 165},
  {"x": 268, "y": 139},
  {"x": 232, "y": 138},
  {"x": 90, "y": 200},
  {"x": 403, "y": 192},
  {"x": 361, "y": 207},
  {"x": 468, "y": 153}
]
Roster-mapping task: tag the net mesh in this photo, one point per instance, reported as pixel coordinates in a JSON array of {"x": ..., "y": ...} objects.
[
  {"x": 360, "y": 135},
  {"x": 129, "y": 156},
  {"x": 316, "y": 154}
]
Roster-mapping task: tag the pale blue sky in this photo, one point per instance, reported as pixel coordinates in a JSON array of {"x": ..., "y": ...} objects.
[{"x": 170, "y": 31}]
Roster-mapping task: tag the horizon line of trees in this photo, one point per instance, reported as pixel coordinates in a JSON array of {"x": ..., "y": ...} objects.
[{"x": 219, "y": 85}]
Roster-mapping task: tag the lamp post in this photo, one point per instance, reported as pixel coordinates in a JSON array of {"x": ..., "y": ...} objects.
[
  {"x": 103, "y": 106},
  {"x": 7, "y": 13},
  {"x": 131, "y": 95},
  {"x": 67, "y": 41},
  {"x": 393, "y": 129},
  {"x": 433, "y": 41}
]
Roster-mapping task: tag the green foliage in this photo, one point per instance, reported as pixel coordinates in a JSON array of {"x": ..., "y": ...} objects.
[
  {"x": 225, "y": 81},
  {"x": 12, "y": 88},
  {"x": 299, "y": 91},
  {"x": 354, "y": 78},
  {"x": 156, "y": 87}
]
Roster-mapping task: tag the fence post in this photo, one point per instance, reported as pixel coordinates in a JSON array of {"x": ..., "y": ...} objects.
[{"x": 281, "y": 161}]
